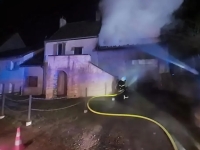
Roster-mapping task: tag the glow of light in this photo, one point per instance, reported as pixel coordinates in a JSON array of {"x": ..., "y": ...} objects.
[{"x": 157, "y": 51}]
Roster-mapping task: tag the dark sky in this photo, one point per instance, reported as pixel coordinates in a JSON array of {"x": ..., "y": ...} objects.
[{"x": 36, "y": 19}]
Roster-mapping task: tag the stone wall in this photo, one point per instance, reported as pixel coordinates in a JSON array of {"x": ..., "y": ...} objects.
[{"x": 83, "y": 78}]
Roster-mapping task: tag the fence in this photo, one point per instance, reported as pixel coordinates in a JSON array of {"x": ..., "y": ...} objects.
[{"x": 23, "y": 104}]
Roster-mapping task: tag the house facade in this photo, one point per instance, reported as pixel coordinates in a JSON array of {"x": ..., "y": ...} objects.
[
  {"x": 75, "y": 66},
  {"x": 33, "y": 74},
  {"x": 12, "y": 76}
]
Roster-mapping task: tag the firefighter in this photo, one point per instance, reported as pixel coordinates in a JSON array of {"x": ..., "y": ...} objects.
[{"x": 121, "y": 87}]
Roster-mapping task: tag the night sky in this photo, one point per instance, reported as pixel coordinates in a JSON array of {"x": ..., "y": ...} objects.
[{"x": 35, "y": 20}]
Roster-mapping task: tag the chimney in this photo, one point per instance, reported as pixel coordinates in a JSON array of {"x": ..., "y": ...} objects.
[
  {"x": 98, "y": 15},
  {"x": 63, "y": 22}
]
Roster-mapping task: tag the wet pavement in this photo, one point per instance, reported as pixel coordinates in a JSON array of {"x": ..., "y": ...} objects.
[
  {"x": 94, "y": 132},
  {"x": 145, "y": 105}
]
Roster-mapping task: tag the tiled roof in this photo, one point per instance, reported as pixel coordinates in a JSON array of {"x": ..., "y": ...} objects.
[{"x": 77, "y": 30}]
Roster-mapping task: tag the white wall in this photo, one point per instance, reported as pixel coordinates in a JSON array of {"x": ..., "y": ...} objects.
[
  {"x": 87, "y": 44},
  {"x": 34, "y": 71},
  {"x": 14, "y": 76}
]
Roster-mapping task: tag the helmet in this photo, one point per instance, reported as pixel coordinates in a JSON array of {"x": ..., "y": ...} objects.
[{"x": 123, "y": 78}]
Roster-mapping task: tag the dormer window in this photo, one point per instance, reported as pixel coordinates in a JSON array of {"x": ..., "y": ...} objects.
[{"x": 77, "y": 50}]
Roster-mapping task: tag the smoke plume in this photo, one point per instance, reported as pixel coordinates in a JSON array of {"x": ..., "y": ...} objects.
[{"x": 132, "y": 21}]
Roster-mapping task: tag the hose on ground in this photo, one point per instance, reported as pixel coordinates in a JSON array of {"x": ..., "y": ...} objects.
[{"x": 133, "y": 116}]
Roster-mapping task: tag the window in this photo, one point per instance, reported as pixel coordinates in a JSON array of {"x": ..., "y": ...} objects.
[
  {"x": 77, "y": 50},
  {"x": 32, "y": 81},
  {"x": 145, "y": 62},
  {"x": 61, "y": 49},
  {"x": 142, "y": 62}
]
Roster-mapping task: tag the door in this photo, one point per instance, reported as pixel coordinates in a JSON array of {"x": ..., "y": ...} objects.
[{"x": 62, "y": 84}]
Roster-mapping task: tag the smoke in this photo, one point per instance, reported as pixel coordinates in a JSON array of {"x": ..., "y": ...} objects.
[{"x": 132, "y": 21}]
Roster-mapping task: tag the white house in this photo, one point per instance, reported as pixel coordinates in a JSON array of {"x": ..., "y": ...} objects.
[{"x": 76, "y": 66}]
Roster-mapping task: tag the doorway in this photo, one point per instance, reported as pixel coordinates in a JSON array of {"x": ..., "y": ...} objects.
[{"x": 62, "y": 84}]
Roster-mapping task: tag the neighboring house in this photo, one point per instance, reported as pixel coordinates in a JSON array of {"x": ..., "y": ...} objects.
[
  {"x": 33, "y": 74},
  {"x": 11, "y": 74},
  {"x": 76, "y": 66},
  {"x": 12, "y": 42}
]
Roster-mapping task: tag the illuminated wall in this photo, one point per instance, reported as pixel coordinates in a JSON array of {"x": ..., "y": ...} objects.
[
  {"x": 83, "y": 78},
  {"x": 11, "y": 75},
  {"x": 131, "y": 63},
  {"x": 88, "y": 44},
  {"x": 116, "y": 62}
]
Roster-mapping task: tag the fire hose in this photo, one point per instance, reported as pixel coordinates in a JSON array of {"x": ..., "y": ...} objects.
[{"x": 133, "y": 116}]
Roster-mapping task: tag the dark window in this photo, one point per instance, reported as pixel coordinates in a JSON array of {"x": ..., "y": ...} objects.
[
  {"x": 60, "y": 49},
  {"x": 32, "y": 81},
  {"x": 77, "y": 50}
]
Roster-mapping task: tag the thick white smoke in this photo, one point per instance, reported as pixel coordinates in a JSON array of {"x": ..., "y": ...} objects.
[{"x": 132, "y": 21}]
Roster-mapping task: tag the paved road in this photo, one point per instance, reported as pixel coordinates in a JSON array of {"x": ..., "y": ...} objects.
[
  {"x": 179, "y": 114},
  {"x": 145, "y": 105}
]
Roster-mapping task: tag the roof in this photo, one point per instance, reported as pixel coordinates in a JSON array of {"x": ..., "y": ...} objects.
[
  {"x": 144, "y": 42},
  {"x": 15, "y": 52},
  {"x": 36, "y": 60},
  {"x": 3, "y": 39},
  {"x": 122, "y": 47},
  {"x": 77, "y": 30}
]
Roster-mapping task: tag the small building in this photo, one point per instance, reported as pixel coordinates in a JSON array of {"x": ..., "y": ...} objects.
[
  {"x": 33, "y": 74},
  {"x": 11, "y": 74}
]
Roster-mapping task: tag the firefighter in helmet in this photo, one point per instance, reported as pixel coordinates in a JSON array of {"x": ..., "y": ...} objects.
[{"x": 121, "y": 87}]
